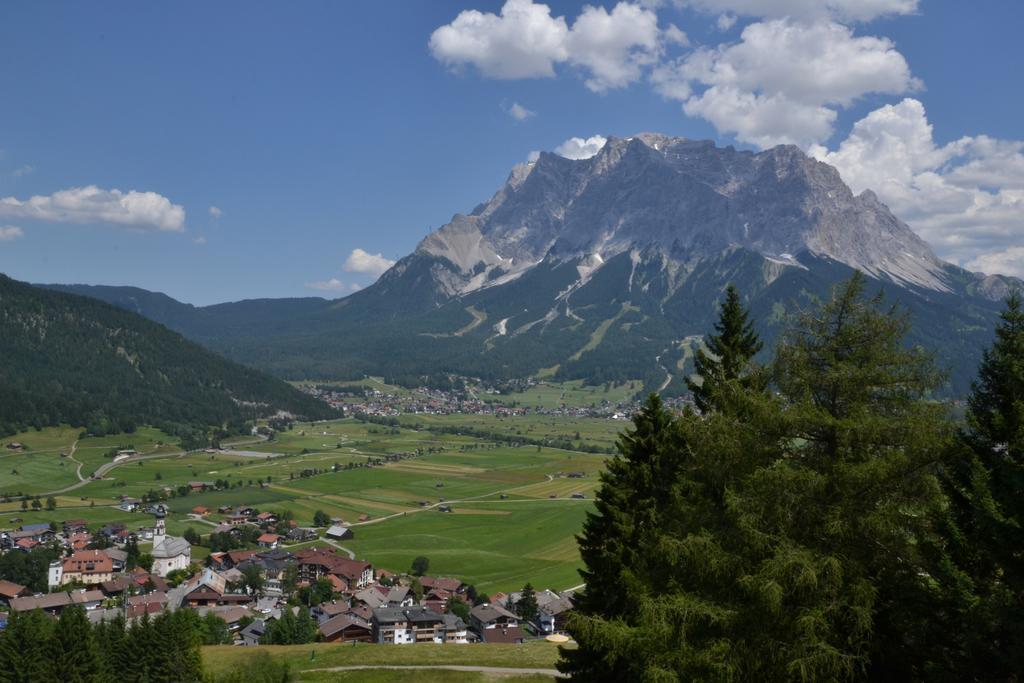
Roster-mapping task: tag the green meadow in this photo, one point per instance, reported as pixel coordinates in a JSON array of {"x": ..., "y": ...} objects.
[{"x": 514, "y": 515}]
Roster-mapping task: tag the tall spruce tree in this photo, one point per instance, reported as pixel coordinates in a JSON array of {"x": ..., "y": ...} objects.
[
  {"x": 23, "y": 655},
  {"x": 984, "y": 480},
  {"x": 789, "y": 540},
  {"x": 72, "y": 650},
  {"x": 731, "y": 350}
]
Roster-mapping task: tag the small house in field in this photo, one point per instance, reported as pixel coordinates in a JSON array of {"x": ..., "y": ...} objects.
[
  {"x": 201, "y": 510},
  {"x": 268, "y": 541},
  {"x": 338, "y": 532}
]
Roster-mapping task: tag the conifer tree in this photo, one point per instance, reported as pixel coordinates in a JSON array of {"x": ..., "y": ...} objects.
[
  {"x": 985, "y": 483},
  {"x": 526, "y": 606},
  {"x": 731, "y": 350},
  {"x": 788, "y": 540},
  {"x": 72, "y": 651},
  {"x": 23, "y": 658}
]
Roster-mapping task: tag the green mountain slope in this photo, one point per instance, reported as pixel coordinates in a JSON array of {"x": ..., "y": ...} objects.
[{"x": 74, "y": 359}]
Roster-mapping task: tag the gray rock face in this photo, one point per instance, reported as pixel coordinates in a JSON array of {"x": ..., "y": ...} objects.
[{"x": 684, "y": 200}]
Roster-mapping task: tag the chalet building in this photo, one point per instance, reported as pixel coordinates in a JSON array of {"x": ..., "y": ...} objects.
[
  {"x": 53, "y": 603},
  {"x": 90, "y": 567},
  {"x": 268, "y": 541},
  {"x": 410, "y": 625},
  {"x": 10, "y": 590},
  {"x": 315, "y": 563},
  {"x": 444, "y": 583},
  {"x": 339, "y": 533},
  {"x": 75, "y": 526},
  {"x": 346, "y": 628},
  {"x": 490, "y": 616}
]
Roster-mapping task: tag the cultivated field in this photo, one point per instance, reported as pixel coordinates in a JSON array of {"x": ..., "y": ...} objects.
[{"x": 513, "y": 511}]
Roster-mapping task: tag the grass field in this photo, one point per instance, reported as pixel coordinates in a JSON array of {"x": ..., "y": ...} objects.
[
  {"x": 513, "y": 518},
  {"x": 531, "y": 655}
]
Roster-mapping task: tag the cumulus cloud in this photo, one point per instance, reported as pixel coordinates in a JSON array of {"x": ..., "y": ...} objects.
[
  {"x": 578, "y": 148},
  {"x": 525, "y": 41},
  {"x": 519, "y": 112},
  {"x": 143, "y": 210},
  {"x": 782, "y": 82},
  {"x": 966, "y": 198},
  {"x": 1007, "y": 262},
  {"x": 215, "y": 212},
  {"x": 10, "y": 232},
  {"x": 614, "y": 46},
  {"x": 844, "y": 10},
  {"x": 360, "y": 261}
]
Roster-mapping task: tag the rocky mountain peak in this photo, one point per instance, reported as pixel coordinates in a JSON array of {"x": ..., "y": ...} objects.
[{"x": 682, "y": 198}]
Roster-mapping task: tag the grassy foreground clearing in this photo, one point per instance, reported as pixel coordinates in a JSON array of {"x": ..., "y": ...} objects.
[
  {"x": 420, "y": 676},
  {"x": 532, "y": 655}
]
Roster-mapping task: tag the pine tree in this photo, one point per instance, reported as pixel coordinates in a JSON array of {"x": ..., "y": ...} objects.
[
  {"x": 72, "y": 650},
  {"x": 985, "y": 483},
  {"x": 526, "y": 606},
  {"x": 789, "y": 540},
  {"x": 731, "y": 350},
  {"x": 23, "y": 658}
]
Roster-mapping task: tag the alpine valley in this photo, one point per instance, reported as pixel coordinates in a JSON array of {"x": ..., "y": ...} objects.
[{"x": 606, "y": 269}]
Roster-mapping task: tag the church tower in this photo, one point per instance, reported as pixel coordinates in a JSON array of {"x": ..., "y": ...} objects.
[{"x": 159, "y": 531}]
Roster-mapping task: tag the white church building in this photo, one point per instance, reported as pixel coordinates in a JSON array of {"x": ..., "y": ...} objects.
[{"x": 169, "y": 552}]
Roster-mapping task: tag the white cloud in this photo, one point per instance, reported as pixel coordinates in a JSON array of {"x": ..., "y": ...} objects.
[
  {"x": 10, "y": 232},
  {"x": 1008, "y": 262},
  {"x": 215, "y": 212},
  {"x": 844, "y": 10},
  {"x": 532, "y": 156},
  {"x": 23, "y": 170},
  {"x": 199, "y": 240},
  {"x": 525, "y": 41},
  {"x": 613, "y": 47},
  {"x": 360, "y": 261},
  {"x": 966, "y": 198},
  {"x": 332, "y": 285},
  {"x": 725, "y": 21},
  {"x": 144, "y": 210},
  {"x": 784, "y": 80},
  {"x": 519, "y": 112},
  {"x": 578, "y": 148}
]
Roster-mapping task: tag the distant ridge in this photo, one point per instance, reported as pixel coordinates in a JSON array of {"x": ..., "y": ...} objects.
[{"x": 68, "y": 358}]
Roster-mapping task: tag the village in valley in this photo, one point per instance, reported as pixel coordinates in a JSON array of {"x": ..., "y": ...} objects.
[
  {"x": 314, "y": 532},
  {"x": 343, "y": 598}
]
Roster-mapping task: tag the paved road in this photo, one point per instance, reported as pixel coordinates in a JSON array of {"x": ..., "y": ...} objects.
[{"x": 503, "y": 670}]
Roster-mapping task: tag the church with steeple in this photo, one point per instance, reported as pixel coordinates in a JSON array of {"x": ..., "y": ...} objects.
[{"x": 169, "y": 552}]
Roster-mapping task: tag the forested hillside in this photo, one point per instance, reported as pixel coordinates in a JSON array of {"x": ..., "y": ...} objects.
[{"x": 73, "y": 359}]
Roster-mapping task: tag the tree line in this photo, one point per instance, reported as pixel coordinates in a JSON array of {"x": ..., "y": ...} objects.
[{"x": 818, "y": 518}]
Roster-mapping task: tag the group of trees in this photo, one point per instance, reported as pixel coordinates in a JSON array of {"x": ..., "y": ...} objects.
[
  {"x": 821, "y": 518},
  {"x": 34, "y": 647},
  {"x": 76, "y": 360}
]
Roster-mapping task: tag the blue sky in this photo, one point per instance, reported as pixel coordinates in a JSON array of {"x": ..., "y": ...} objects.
[{"x": 319, "y": 128}]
